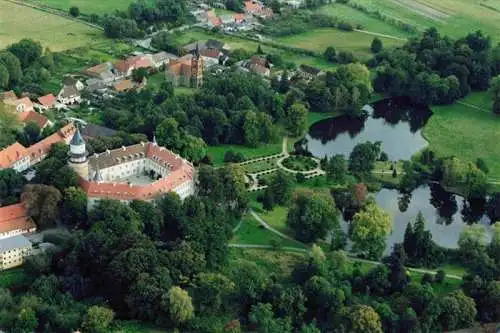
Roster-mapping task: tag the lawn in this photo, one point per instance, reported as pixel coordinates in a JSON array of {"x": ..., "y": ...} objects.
[
  {"x": 217, "y": 152},
  {"x": 137, "y": 327},
  {"x": 54, "y": 32},
  {"x": 275, "y": 218},
  {"x": 184, "y": 91},
  {"x": 99, "y": 7},
  {"x": 156, "y": 79},
  {"x": 358, "y": 17},
  {"x": 260, "y": 165},
  {"x": 273, "y": 262},
  {"x": 319, "y": 39},
  {"x": 251, "y": 232},
  {"x": 466, "y": 132}
]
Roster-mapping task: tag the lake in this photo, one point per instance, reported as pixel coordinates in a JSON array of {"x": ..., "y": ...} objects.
[{"x": 394, "y": 122}]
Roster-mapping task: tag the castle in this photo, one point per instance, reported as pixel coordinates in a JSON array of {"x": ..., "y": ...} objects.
[{"x": 143, "y": 171}]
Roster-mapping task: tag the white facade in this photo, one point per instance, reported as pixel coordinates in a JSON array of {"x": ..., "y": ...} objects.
[
  {"x": 22, "y": 164},
  {"x": 13, "y": 251}
]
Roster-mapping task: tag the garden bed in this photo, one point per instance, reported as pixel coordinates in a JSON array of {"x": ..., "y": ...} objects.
[{"x": 300, "y": 163}]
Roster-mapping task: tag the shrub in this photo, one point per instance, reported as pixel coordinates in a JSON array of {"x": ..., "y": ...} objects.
[
  {"x": 427, "y": 278},
  {"x": 440, "y": 276},
  {"x": 74, "y": 11}
]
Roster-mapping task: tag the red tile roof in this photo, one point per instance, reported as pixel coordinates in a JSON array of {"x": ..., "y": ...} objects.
[
  {"x": 28, "y": 105},
  {"x": 15, "y": 217},
  {"x": 123, "y": 85},
  {"x": 43, "y": 147},
  {"x": 47, "y": 100},
  {"x": 210, "y": 53},
  {"x": 35, "y": 117},
  {"x": 239, "y": 17},
  {"x": 11, "y": 154}
]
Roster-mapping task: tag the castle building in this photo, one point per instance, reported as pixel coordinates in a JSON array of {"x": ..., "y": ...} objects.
[
  {"x": 186, "y": 71},
  {"x": 143, "y": 171}
]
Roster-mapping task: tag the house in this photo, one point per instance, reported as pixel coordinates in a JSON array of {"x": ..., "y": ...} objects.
[
  {"x": 91, "y": 131},
  {"x": 71, "y": 81},
  {"x": 258, "y": 9},
  {"x": 256, "y": 65},
  {"x": 95, "y": 84},
  {"x": 186, "y": 71},
  {"x": 14, "y": 220},
  {"x": 105, "y": 72},
  {"x": 13, "y": 251},
  {"x": 162, "y": 58},
  {"x": 209, "y": 44},
  {"x": 212, "y": 19},
  {"x": 35, "y": 117},
  {"x": 261, "y": 70},
  {"x": 21, "y": 104},
  {"x": 310, "y": 72},
  {"x": 46, "y": 102},
  {"x": 125, "y": 67},
  {"x": 212, "y": 57},
  {"x": 69, "y": 95},
  {"x": 239, "y": 18},
  {"x": 15, "y": 156},
  {"x": 128, "y": 84}
]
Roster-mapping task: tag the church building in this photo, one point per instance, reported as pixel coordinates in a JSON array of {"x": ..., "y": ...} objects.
[
  {"x": 143, "y": 171},
  {"x": 186, "y": 71}
]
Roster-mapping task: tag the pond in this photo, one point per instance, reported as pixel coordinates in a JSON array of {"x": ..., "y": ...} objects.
[{"x": 395, "y": 122}]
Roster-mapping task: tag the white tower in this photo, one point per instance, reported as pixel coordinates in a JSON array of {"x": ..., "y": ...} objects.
[{"x": 78, "y": 155}]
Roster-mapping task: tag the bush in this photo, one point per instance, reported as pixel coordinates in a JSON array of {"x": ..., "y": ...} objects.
[
  {"x": 345, "y": 57},
  {"x": 345, "y": 26},
  {"x": 74, "y": 11},
  {"x": 440, "y": 276},
  {"x": 231, "y": 156},
  {"x": 427, "y": 278},
  {"x": 300, "y": 178}
]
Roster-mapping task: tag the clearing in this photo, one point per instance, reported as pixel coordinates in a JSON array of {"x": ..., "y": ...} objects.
[
  {"x": 468, "y": 131},
  {"x": 319, "y": 39},
  {"x": 89, "y": 7},
  {"x": 54, "y": 32}
]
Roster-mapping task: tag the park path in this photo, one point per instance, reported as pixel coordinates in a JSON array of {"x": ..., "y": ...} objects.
[
  {"x": 373, "y": 33},
  {"x": 270, "y": 228},
  {"x": 474, "y": 107}
]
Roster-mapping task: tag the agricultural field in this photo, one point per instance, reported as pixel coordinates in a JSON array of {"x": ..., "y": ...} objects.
[
  {"x": 356, "y": 42},
  {"x": 468, "y": 130},
  {"x": 54, "y": 32},
  {"x": 89, "y": 7},
  {"x": 367, "y": 22},
  {"x": 451, "y": 17}
]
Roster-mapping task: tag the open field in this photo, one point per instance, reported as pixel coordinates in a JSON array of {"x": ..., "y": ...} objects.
[
  {"x": 451, "y": 17},
  {"x": 89, "y": 7},
  {"x": 54, "y": 32},
  {"x": 466, "y": 132},
  {"x": 358, "y": 17},
  {"x": 319, "y": 39}
]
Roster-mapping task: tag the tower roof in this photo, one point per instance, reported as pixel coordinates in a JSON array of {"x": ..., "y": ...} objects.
[{"x": 77, "y": 139}]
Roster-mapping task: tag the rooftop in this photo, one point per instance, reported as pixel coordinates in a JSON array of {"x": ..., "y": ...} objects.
[
  {"x": 15, "y": 217},
  {"x": 14, "y": 242}
]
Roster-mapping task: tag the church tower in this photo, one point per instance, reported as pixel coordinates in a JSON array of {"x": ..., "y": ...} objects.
[
  {"x": 196, "y": 69},
  {"x": 78, "y": 155}
]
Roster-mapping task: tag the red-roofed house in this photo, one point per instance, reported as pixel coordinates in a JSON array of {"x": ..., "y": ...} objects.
[
  {"x": 258, "y": 9},
  {"x": 213, "y": 20},
  {"x": 15, "y": 156},
  {"x": 14, "y": 220},
  {"x": 125, "y": 67},
  {"x": 21, "y": 104},
  {"x": 46, "y": 102},
  {"x": 35, "y": 117}
]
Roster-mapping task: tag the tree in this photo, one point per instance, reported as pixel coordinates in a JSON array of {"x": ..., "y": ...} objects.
[
  {"x": 179, "y": 305},
  {"x": 139, "y": 74},
  {"x": 193, "y": 148},
  {"x": 13, "y": 65},
  {"x": 212, "y": 292},
  {"x": 41, "y": 202},
  {"x": 251, "y": 131},
  {"x": 168, "y": 134},
  {"x": 4, "y": 77},
  {"x": 376, "y": 46},
  {"x": 312, "y": 215},
  {"x": 74, "y": 11},
  {"x": 25, "y": 321},
  {"x": 369, "y": 229},
  {"x": 74, "y": 206},
  {"x": 11, "y": 183},
  {"x": 263, "y": 317},
  {"x": 330, "y": 54},
  {"x": 362, "y": 318},
  {"x": 344, "y": 57},
  {"x": 336, "y": 168},
  {"x": 363, "y": 157},
  {"x": 395, "y": 262},
  {"x": 32, "y": 132},
  {"x": 495, "y": 93},
  {"x": 280, "y": 188},
  {"x": 259, "y": 49},
  {"x": 9, "y": 124},
  {"x": 151, "y": 217},
  {"x": 459, "y": 311},
  {"x": 98, "y": 319},
  {"x": 296, "y": 120},
  {"x": 472, "y": 243},
  {"x": 27, "y": 51}
]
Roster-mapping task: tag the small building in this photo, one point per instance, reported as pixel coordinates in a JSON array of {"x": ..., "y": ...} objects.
[
  {"x": 71, "y": 81},
  {"x": 163, "y": 58},
  {"x": 46, "y": 102},
  {"x": 310, "y": 72},
  {"x": 256, "y": 65},
  {"x": 69, "y": 95},
  {"x": 258, "y": 9},
  {"x": 125, "y": 67},
  {"x": 35, "y": 117},
  {"x": 14, "y": 220},
  {"x": 13, "y": 251},
  {"x": 105, "y": 72},
  {"x": 21, "y": 104},
  {"x": 15, "y": 156}
]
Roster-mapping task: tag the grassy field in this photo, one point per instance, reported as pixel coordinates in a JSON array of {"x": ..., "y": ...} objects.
[
  {"x": 358, "y": 17},
  {"x": 452, "y": 17},
  {"x": 251, "y": 232},
  {"x": 90, "y": 7},
  {"x": 54, "y": 32},
  {"x": 466, "y": 132},
  {"x": 319, "y": 39},
  {"x": 273, "y": 262}
]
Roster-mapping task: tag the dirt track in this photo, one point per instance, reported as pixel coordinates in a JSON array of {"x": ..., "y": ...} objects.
[{"x": 422, "y": 9}]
